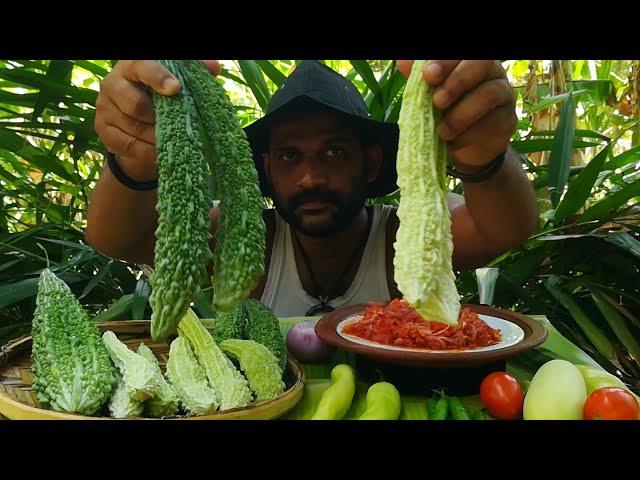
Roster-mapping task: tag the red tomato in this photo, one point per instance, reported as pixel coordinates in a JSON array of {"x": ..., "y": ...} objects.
[
  {"x": 611, "y": 403},
  {"x": 502, "y": 396}
]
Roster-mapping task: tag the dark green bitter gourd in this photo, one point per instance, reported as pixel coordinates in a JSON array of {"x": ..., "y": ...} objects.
[
  {"x": 263, "y": 327},
  {"x": 183, "y": 233},
  {"x": 229, "y": 325},
  {"x": 240, "y": 237},
  {"x": 73, "y": 371}
]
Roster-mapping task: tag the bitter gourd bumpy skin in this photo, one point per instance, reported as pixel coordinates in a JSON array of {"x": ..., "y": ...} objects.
[
  {"x": 239, "y": 253},
  {"x": 423, "y": 246},
  {"x": 230, "y": 386},
  {"x": 189, "y": 380},
  {"x": 183, "y": 233},
  {"x": 73, "y": 371}
]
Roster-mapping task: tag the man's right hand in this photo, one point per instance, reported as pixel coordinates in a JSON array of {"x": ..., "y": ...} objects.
[{"x": 125, "y": 117}]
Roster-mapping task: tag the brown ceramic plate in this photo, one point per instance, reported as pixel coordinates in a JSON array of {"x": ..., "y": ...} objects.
[{"x": 519, "y": 333}]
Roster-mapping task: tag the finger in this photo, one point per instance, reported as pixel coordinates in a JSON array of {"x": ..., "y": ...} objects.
[
  {"x": 404, "y": 66},
  {"x": 121, "y": 143},
  {"x": 486, "y": 138},
  {"x": 213, "y": 66},
  {"x": 474, "y": 106},
  {"x": 134, "y": 127},
  {"x": 434, "y": 71},
  {"x": 465, "y": 76},
  {"x": 437, "y": 71},
  {"x": 130, "y": 99},
  {"x": 151, "y": 74}
]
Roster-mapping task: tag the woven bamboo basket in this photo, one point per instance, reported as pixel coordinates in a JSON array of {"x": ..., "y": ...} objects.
[{"x": 18, "y": 400}]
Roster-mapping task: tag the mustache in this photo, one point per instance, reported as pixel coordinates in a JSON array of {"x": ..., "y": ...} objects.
[{"x": 315, "y": 195}]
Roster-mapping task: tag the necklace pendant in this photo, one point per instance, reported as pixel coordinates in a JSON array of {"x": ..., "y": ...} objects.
[{"x": 322, "y": 307}]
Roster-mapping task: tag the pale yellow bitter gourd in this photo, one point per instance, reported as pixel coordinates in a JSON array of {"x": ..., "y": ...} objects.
[{"x": 423, "y": 246}]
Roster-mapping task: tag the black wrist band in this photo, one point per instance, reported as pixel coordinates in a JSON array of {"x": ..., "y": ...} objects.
[
  {"x": 482, "y": 175},
  {"x": 122, "y": 177}
]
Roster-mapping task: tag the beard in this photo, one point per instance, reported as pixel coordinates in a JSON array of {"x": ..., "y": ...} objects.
[{"x": 343, "y": 208}]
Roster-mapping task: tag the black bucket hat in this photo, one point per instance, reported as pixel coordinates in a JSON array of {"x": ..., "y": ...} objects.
[{"x": 313, "y": 83}]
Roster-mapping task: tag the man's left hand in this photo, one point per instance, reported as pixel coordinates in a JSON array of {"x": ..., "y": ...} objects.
[{"x": 478, "y": 106}]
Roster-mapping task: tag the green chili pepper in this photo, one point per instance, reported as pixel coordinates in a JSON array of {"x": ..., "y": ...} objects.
[
  {"x": 482, "y": 415},
  {"x": 440, "y": 408},
  {"x": 413, "y": 408},
  {"x": 313, "y": 390},
  {"x": 359, "y": 402},
  {"x": 383, "y": 402},
  {"x": 479, "y": 415},
  {"x": 336, "y": 400},
  {"x": 431, "y": 408},
  {"x": 458, "y": 412}
]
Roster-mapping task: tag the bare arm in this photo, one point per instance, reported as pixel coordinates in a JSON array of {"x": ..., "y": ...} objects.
[
  {"x": 121, "y": 222},
  {"x": 493, "y": 216}
]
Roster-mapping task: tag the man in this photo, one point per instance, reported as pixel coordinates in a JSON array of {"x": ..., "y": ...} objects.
[{"x": 319, "y": 157}]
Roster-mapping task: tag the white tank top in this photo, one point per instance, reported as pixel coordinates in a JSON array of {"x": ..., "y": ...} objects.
[{"x": 284, "y": 292}]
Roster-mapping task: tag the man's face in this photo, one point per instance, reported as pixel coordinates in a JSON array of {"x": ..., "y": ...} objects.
[{"x": 319, "y": 171}]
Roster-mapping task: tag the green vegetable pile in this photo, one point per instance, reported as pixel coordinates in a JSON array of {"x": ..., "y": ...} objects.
[
  {"x": 557, "y": 392},
  {"x": 252, "y": 320},
  {"x": 344, "y": 398},
  {"x": 201, "y": 376},
  {"x": 230, "y": 386},
  {"x": 78, "y": 371}
]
